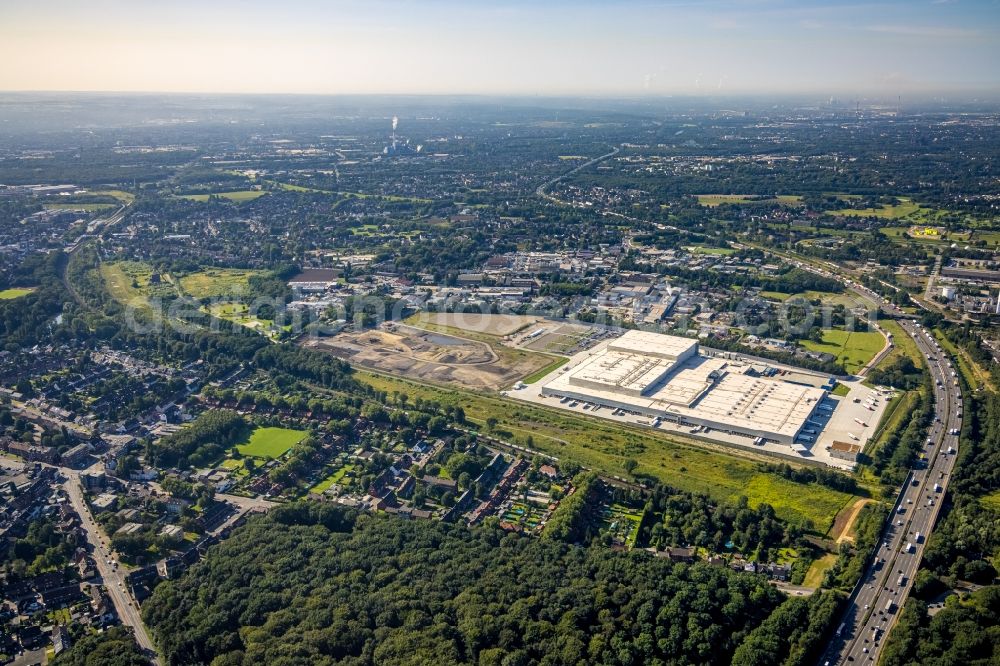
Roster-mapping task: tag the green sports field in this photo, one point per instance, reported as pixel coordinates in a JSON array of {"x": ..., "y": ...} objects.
[{"x": 271, "y": 442}]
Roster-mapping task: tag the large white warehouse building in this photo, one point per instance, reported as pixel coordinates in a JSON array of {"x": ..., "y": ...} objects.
[{"x": 667, "y": 377}]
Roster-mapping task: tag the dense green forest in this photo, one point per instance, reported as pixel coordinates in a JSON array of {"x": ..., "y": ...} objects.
[
  {"x": 312, "y": 583},
  {"x": 793, "y": 635},
  {"x": 966, "y": 633}
]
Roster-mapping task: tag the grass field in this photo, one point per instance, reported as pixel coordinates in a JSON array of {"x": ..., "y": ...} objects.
[
  {"x": 816, "y": 504},
  {"x": 975, "y": 375},
  {"x": 847, "y": 299},
  {"x": 271, "y": 442},
  {"x": 904, "y": 345},
  {"x": 130, "y": 282},
  {"x": 713, "y": 200},
  {"x": 717, "y": 470},
  {"x": 89, "y": 207},
  {"x": 853, "y": 350},
  {"x": 119, "y": 285},
  {"x": 921, "y": 234},
  {"x": 238, "y": 196},
  {"x": 15, "y": 292},
  {"x": 992, "y": 238},
  {"x": 720, "y": 251},
  {"x": 352, "y": 195},
  {"x": 886, "y": 212},
  {"x": 814, "y": 577},
  {"x": 991, "y": 501},
  {"x": 554, "y": 365},
  {"x": 121, "y": 195},
  {"x": 239, "y": 313},
  {"x": 326, "y": 483},
  {"x": 904, "y": 208},
  {"x": 218, "y": 282}
]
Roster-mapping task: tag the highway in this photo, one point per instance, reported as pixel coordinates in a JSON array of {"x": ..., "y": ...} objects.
[
  {"x": 874, "y": 605},
  {"x": 541, "y": 189}
]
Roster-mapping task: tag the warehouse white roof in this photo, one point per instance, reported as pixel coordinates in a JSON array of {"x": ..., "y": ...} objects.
[
  {"x": 633, "y": 373},
  {"x": 670, "y": 347},
  {"x": 714, "y": 391}
]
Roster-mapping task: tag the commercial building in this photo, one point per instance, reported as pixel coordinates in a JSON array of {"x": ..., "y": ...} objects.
[
  {"x": 315, "y": 279},
  {"x": 845, "y": 451},
  {"x": 668, "y": 378}
]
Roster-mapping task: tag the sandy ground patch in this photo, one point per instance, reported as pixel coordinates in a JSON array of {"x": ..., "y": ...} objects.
[
  {"x": 489, "y": 324},
  {"x": 423, "y": 355},
  {"x": 843, "y": 524}
]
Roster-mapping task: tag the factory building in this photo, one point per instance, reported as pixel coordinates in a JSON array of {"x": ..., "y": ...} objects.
[{"x": 667, "y": 378}]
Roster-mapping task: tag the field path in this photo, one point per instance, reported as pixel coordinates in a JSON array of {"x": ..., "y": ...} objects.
[{"x": 844, "y": 522}]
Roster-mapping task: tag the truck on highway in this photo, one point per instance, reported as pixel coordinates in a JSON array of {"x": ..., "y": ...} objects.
[
  {"x": 890, "y": 606},
  {"x": 908, "y": 548},
  {"x": 937, "y": 488},
  {"x": 919, "y": 537},
  {"x": 901, "y": 580}
]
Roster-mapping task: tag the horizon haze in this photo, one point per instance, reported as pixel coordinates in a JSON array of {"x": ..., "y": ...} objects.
[{"x": 631, "y": 48}]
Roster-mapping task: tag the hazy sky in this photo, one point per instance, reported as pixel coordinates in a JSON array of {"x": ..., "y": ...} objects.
[{"x": 632, "y": 47}]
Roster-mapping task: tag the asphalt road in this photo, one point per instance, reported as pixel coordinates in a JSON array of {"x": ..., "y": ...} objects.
[
  {"x": 541, "y": 189},
  {"x": 112, "y": 576},
  {"x": 873, "y": 607}
]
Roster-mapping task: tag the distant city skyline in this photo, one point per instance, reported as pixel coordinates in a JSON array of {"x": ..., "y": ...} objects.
[{"x": 556, "y": 47}]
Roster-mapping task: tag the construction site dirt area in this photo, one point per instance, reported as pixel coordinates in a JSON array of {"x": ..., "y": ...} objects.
[
  {"x": 423, "y": 355},
  {"x": 498, "y": 325},
  {"x": 561, "y": 338}
]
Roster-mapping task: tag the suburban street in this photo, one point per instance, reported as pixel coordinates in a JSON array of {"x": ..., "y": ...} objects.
[{"x": 112, "y": 576}]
